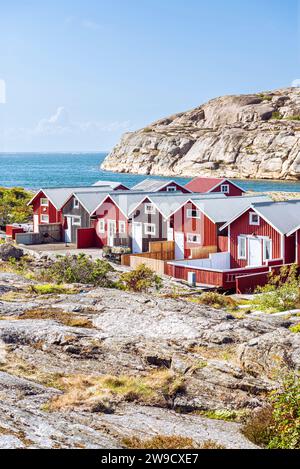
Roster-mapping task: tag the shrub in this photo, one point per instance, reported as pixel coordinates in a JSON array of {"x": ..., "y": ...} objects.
[
  {"x": 140, "y": 279},
  {"x": 13, "y": 205},
  {"x": 281, "y": 293},
  {"x": 48, "y": 289},
  {"x": 216, "y": 300},
  {"x": 277, "y": 426},
  {"x": 80, "y": 269},
  {"x": 295, "y": 329},
  {"x": 276, "y": 115}
]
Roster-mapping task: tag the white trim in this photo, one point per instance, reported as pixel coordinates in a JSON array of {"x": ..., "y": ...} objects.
[
  {"x": 228, "y": 181},
  {"x": 113, "y": 201},
  {"x": 123, "y": 224},
  {"x": 44, "y": 204},
  {"x": 189, "y": 215},
  {"x": 251, "y": 222},
  {"x": 223, "y": 186},
  {"x": 76, "y": 203},
  {"x": 146, "y": 227},
  {"x": 149, "y": 209},
  {"x": 141, "y": 202},
  {"x": 245, "y": 239},
  {"x": 265, "y": 239},
  {"x": 251, "y": 207},
  {"x": 44, "y": 221},
  {"x": 282, "y": 248},
  {"x": 229, "y": 240},
  {"x": 193, "y": 234},
  {"x": 101, "y": 225},
  {"x": 171, "y": 189},
  {"x": 293, "y": 231},
  {"x": 76, "y": 223}
]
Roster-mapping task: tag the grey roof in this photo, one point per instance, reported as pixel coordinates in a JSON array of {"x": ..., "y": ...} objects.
[
  {"x": 152, "y": 185},
  {"x": 223, "y": 210},
  {"x": 284, "y": 216},
  {"x": 112, "y": 184},
  {"x": 58, "y": 196},
  {"x": 91, "y": 200}
]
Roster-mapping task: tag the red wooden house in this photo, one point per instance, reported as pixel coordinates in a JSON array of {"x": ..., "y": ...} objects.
[
  {"x": 208, "y": 185},
  {"x": 197, "y": 221},
  {"x": 262, "y": 233}
]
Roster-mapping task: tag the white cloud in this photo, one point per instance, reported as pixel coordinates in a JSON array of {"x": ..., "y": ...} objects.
[
  {"x": 2, "y": 92},
  {"x": 90, "y": 24},
  {"x": 296, "y": 83},
  {"x": 61, "y": 123}
]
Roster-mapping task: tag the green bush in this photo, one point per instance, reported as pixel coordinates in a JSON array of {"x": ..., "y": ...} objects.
[
  {"x": 277, "y": 426},
  {"x": 281, "y": 293},
  {"x": 48, "y": 289},
  {"x": 140, "y": 279},
  {"x": 295, "y": 329},
  {"x": 13, "y": 205},
  {"x": 80, "y": 269},
  {"x": 276, "y": 115}
]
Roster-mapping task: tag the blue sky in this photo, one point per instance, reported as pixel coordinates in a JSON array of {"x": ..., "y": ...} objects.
[{"x": 79, "y": 73}]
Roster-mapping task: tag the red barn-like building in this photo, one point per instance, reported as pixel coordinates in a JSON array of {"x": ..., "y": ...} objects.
[{"x": 206, "y": 185}]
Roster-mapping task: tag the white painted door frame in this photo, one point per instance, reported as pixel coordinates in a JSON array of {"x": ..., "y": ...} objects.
[
  {"x": 255, "y": 246},
  {"x": 68, "y": 230},
  {"x": 179, "y": 245},
  {"x": 137, "y": 237},
  {"x": 111, "y": 232},
  {"x": 36, "y": 223}
]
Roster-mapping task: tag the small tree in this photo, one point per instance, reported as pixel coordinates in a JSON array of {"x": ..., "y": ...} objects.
[
  {"x": 140, "y": 279},
  {"x": 80, "y": 269},
  {"x": 282, "y": 291}
]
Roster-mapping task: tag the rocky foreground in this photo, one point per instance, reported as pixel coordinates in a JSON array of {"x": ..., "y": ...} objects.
[
  {"x": 96, "y": 368},
  {"x": 244, "y": 136}
]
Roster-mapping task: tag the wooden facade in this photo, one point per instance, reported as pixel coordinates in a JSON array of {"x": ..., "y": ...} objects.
[
  {"x": 74, "y": 218},
  {"x": 54, "y": 215},
  {"x": 111, "y": 225}
]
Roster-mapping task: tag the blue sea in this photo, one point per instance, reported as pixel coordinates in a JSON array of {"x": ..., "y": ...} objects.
[{"x": 35, "y": 170}]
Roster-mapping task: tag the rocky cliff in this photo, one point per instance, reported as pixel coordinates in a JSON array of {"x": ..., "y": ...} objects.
[{"x": 246, "y": 136}]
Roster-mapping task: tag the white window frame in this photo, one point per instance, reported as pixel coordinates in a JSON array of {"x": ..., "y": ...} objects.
[
  {"x": 193, "y": 235},
  {"x": 251, "y": 222},
  {"x": 76, "y": 223},
  {"x": 225, "y": 189},
  {"x": 44, "y": 216},
  {"x": 123, "y": 225},
  {"x": 171, "y": 189},
  {"x": 189, "y": 213},
  {"x": 150, "y": 209},
  {"x": 44, "y": 202},
  {"x": 239, "y": 255},
  {"x": 146, "y": 228},
  {"x": 101, "y": 225},
  {"x": 75, "y": 203},
  {"x": 265, "y": 241}
]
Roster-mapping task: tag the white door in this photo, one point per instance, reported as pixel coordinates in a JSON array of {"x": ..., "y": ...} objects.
[
  {"x": 179, "y": 245},
  {"x": 170, "y": 233},
  {"x": 255, "y": 252},
  {"x": 35, "y": 223},
  {"x": 137, "y": 238},
  {"x": 68, "y": 230},
  {"x": 111, "y": 231}
]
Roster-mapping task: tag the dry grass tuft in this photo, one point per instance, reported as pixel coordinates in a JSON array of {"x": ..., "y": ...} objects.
[
  {"x": 67, "y": 319},
  {"x": 168, "y": 442},
  {"x": 157, "y": 387}
]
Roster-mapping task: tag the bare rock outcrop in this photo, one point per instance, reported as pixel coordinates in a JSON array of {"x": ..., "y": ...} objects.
[{"x": 246, "y": 136}]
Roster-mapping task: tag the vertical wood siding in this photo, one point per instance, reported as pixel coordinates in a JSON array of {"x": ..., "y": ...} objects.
[
  {"x": 233, "y": 190},
  {"x": 240, "y": 227},
  {"x": 109, "y": 211},
  {"x": 55, "y": 215}
]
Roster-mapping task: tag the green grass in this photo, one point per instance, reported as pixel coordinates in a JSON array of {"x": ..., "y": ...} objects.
[
  {"x": 276, "y": 115},
  {"x": 49, "y": 289},
  {"x": 224, "y": 414},
  {"x": 295, "y": 329}
]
